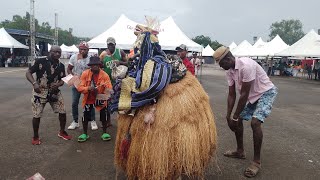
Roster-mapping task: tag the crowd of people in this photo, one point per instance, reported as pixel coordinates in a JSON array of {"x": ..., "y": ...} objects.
[
  {"x": 93, "y": 72},
  {"x": 295, "y": 68},
  {"x": 257, "y": 92}
]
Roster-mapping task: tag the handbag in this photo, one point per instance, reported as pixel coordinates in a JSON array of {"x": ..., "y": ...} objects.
[{"x": 119, "y": 71}]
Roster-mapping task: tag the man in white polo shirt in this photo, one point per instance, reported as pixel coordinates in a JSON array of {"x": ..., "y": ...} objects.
[
  {"x": 257, "y": 94},
  {"x": 77, "y": 64}
]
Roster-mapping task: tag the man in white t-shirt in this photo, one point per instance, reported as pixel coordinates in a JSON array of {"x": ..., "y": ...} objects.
[
  {"x": 196, "y": 63},
  {"x": 77, "y": 64}
]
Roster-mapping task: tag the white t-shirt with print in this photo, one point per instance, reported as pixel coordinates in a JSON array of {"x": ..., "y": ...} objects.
[{"x": 79, "y": 65}]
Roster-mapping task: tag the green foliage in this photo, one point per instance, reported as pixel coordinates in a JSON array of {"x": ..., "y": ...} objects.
[
  {"x": 205, "y": 40},
  {"x": 289, "y": 30},
  {"x": 23, "y": 23}
]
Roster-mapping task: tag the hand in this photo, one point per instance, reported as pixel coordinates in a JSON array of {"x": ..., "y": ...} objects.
[
  {"x": 116, "y": 62},
  {"x": 235, "y": 117},
  {"x": 36, "y": 88},
  {"x": 55, "y": 86},
  {"x": 90, "y": 88},
  {"x": 232, "y": 124}
]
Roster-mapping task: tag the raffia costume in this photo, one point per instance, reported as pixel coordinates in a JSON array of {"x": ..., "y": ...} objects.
[{"x": 166, "y": 117}]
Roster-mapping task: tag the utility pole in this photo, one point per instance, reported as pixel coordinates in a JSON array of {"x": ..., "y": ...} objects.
[
  {"x": 32, "y": 32},
  {"x": 56, "y": 32}
]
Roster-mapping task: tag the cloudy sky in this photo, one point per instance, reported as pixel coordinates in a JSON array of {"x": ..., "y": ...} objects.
[{"x": 224, "y": 20}]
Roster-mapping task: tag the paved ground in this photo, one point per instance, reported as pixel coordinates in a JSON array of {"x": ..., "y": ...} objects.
[{"x": 290, "y": 148}]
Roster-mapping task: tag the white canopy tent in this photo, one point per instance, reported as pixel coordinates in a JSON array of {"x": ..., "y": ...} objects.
[
  {"x": 270, "y": 48},
  {"x": 260, "y": 43},
  {"x": 307, "y": 46},
  {"x": 243, "y": 49},
  {"x": 207, "y": 51},
  {"x": 7, "y": 41},
  {"x": 73, "y": 48},
  {"x": 64, "y": 48},
  {"x": 170, "y": 35},
  {"x": 232, "y": 46}
]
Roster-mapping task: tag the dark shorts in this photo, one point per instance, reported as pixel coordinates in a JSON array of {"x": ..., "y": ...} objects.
[
  {"x": 87, "y": 112},
  {"x": 261, "y": 109}
]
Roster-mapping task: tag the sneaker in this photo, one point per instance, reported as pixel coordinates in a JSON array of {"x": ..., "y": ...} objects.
[
  {"x": 64, "y": 135},
  {"x": 73, "y": 125},
  {"x": 94, "y": 125},
  {"x": 36, "y": 141}
]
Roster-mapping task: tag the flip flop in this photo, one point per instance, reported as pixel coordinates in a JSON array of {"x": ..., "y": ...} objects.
[
  {"x": 234, "y": 154},
  {"x": 252, "y": 170},
  {"x": 105, "y": 137},
  {"x": 83, "y": 138}
]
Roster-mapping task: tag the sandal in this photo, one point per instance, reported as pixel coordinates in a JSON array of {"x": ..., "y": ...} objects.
[
  {"x": 106, "y": 137},
  {"x": 234, "y": 154},
  {"x": 252, "y": 170},
  {"x": 83, "y": 138}
]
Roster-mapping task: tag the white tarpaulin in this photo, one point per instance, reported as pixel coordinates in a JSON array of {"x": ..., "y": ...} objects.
[
  {"x": 207, "y": 51},
  {"x": 307, "y": 46},
  {"x": 7, "y": 41}
]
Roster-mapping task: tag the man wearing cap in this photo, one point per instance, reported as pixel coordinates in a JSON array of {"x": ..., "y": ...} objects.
[
  {"x": 108, "y": 57},
  {"x": 94, "y": 82},
  {"x": 182, "y": 51},
  {"x": 49, "y": 72},
  {"x": 77, "y": 64},
  {"x": 257, "y": 94}
]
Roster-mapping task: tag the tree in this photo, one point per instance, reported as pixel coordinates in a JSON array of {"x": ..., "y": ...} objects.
[
  {"x": 215, "y": 45},
  {"x": 289, "y": 30},
  {"x": 205, "y": 40},
  {"x": 202, "y": 40}
]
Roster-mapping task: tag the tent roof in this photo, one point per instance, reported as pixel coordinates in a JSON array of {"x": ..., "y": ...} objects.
[
  {"x": 259, "y": 43},
  {"x": 7, "y": 41},
  {"x": 242, "y": 49},
  {"x": 207, "y": 51},
  {"x": 74, "y": 48},
  {"x": 171, "y": 36},
  {"x": 232, "y": 46},
  {"x": 122, "y": 31},
  {"x": 307, "y": 46},
  {"x": 21, "y": 32}
]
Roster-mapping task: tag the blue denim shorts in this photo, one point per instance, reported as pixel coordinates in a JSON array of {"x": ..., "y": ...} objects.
[{"x": 262, "y": 107}]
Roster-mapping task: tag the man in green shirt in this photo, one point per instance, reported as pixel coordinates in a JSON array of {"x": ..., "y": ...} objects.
[{"x": 108, "y": 57}]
